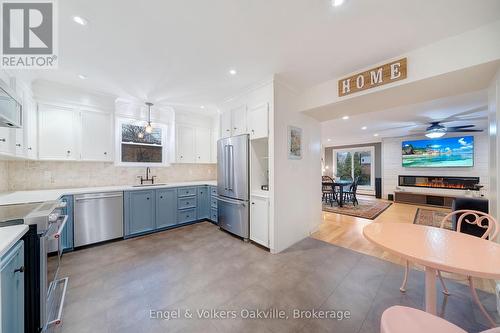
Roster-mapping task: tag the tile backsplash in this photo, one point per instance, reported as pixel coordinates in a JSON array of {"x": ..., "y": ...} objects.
[
  {"x": 4, "y": 176},
  {"x": 34, "y": 175}
]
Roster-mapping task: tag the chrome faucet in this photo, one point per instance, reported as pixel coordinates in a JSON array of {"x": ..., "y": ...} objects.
[{"x": 147, "y": 179}]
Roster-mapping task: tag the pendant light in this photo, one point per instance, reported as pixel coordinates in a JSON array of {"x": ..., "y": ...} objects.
[{"x": 149, "y": 128}]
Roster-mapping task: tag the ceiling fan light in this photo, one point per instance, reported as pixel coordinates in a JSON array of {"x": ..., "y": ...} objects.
[
  {"x": 149, "y": 128},
  {"x": 435, "y": 134}
]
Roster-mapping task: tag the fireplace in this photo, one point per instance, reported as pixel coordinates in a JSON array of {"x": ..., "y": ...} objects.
[{"x": 453, "y": 183}]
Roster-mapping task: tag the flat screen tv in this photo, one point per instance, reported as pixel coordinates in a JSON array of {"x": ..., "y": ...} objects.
[{"x": 439, "y": 153}]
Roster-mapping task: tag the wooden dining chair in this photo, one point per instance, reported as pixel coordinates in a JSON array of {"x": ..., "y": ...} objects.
[
  {"x": 350, "y": 194},
  {"x": 327, "y": 189},
  {"x": 491, "y": 229}
]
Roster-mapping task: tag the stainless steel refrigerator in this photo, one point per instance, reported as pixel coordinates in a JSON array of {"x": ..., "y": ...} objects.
[{"x": 233, "y": 185}]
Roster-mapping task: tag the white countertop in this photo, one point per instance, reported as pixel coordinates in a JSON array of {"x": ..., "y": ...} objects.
[
  {"x": 22, "y": 197},
  {"x": 10, "y": 235}
]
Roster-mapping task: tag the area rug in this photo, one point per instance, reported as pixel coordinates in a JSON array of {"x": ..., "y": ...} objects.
[
  {"x": 431, "y": 217},
  {"x": 367, "y": 209}
]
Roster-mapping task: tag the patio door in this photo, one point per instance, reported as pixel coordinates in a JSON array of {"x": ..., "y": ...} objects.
[{"x": 356, "y": 162}]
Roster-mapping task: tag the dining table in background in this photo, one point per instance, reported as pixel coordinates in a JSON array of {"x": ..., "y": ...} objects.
[
  {"x": 437, "y": 249},
  {"x": 341, "y": 184}
]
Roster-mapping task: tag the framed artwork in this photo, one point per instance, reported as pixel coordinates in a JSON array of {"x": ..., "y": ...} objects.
[{"x": 294, "y": 143}]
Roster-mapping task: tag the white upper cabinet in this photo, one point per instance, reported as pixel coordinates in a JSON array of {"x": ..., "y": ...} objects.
[
  {"x": 248, "y": 114},
  {"x": 258, "y": 124},
  {"x": 30, "y": 128},
  {"x": 185, "y": 144},
  {"x": 57, "y": 133},
  {"x": 239, "y": 120},
  {"x": 203, "y": 144},
  {"x": 6, "y": 140},
  {"x": 96, "y": 136},
  {"x": 225, "y": 124}
]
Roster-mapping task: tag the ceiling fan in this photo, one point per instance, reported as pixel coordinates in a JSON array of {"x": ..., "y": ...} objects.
[{"x": 436, "y": 129}]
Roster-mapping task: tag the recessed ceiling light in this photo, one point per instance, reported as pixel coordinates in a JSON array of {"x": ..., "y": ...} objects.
[
  {"x": 233, "y": 72},
  {"x": 202, "y": 106},
  {"x": 80, "y": 20},
  {"x": 83, "y": 77},
  {"x": 336, "y": 3},
  {"x": 376, "y": 134},
  {"x": 364, "y": 127},
  {"x": 329, "y": 140},
  {"x": 345, "y": 117}
]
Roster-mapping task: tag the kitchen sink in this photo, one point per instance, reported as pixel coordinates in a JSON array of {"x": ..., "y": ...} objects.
[{"x": 149, "y": 185}]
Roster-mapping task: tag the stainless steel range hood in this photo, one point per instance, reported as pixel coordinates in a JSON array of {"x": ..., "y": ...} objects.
[{"x": 10, "y": 107}]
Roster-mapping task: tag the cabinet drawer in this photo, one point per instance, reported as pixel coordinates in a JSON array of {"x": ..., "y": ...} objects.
[
  {"x": 213, "y": 202},
  {"x": 186, "y": 215},
  {"x": 186, "y": 202},
  {"x": 213, "y": 190},
  {"x": 213, "y": 214},
  {"x": 186, "y": 191}
]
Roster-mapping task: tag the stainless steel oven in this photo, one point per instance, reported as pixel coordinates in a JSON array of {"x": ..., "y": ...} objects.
[{"x": 50, "y": 224}]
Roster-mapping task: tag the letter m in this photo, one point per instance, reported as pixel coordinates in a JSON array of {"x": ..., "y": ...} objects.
[{"x": 376, "y": 76}]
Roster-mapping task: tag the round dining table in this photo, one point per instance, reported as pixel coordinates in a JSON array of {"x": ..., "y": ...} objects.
[{"x": 437, "y": 249}]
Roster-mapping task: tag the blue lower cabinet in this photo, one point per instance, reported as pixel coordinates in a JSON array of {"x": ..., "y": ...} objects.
[
  {"x": 140, "y": 214},
  {"x": 12, "y": 289},
  {"x": 166, "y": 208},
  {"x": 186, "y": 215},
  {"x": 214, "y": 215},
  {"x": 203, "y": 209},
  {"x": 67, "y": 235}
]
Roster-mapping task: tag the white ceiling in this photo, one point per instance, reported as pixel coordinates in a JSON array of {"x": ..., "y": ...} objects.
[
  {"x": 402, "y": 121},
  {"x": 180, "y": 51}
]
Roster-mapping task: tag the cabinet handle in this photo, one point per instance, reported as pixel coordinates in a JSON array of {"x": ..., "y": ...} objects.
[
  {"x": 187, "y": 203},
  {"x": 105, "y": 153},
  {"x": 3, "y": 140},
  {"x": 29, "y": 148},
  {"x": 161, "y": 197},
  {"x": 235, "y": 128},
  {"x": 68, "y": 151},
  {"x": 19, "y": 270},
  {"x": 147, "y": 198},
  {"x": 18, "y": 145},
  {"x": 228, "y": 130},
  {"x": 253, "y": 203}
]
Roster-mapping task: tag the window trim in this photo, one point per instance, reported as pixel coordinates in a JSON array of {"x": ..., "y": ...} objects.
[
  {"x": 119, "y": 121},
  {"x": 353, "y": 150}
]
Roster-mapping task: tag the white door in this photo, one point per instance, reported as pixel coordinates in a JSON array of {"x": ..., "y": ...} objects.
[
  {"x": 30, "y": 126},
  {"x": 258, "y": 121},
  {"x": 57, "y": 133},
  {"x": 97, "y": 136},
  {"x": 225, "y": 124},
  {"x": 185, "y": 138},
  {"x": 259, "y": 220},
  {"x": 203, "y": 144},
  {"x": 239, "y": 120}
]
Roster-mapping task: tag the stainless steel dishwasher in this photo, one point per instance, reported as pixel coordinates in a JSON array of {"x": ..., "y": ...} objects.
[{"x": 98, "y": 217}]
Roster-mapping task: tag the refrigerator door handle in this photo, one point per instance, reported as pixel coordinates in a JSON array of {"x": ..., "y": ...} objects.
[
  {"x": 229, "y": 201},
  {"x": 231, "y": 167},
  {"x": 224, "y": 163}
]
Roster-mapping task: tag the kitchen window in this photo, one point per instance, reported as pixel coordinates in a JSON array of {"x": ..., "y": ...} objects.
[{"x": 137, "y": 147}]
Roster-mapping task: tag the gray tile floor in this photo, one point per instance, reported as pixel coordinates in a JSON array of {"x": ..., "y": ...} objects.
[{"x": 113, "y": 288}]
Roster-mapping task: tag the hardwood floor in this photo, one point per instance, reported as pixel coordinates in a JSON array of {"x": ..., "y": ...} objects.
[{"x": 347, "y": 231}]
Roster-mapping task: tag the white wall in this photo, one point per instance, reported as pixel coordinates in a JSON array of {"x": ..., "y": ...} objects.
[
  {"x": 392, "y": 167},
  {"x": 297, "y": 190},
  {"x": 468, "y": 49}
]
